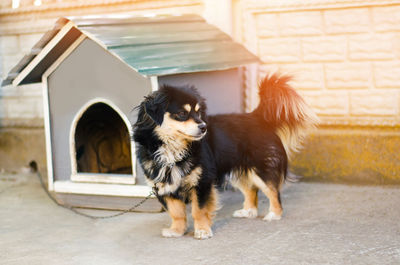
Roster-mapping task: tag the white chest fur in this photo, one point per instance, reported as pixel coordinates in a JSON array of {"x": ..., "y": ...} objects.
[
  {"x": 174, "y": 149},
  {"x": 170, "y": 154},
  {"x": 186, "y": 182}
]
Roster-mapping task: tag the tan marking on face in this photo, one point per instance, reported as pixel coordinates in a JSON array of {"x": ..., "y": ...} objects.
[
  {"x": 187, "y": 107},
  {"x": 197, "y": 107},
  {"x": 175, "y": 130},
  {"x": 177, "y": 211},
  {"x": 175, "y": 143},
  {"x": 203, "y": 216}
]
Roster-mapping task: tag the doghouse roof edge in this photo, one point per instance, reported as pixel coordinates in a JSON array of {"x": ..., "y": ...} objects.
[{"x": 154, "y": 46}]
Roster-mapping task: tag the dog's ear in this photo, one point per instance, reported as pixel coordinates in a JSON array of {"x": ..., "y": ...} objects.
[{"x": 155, "y": 106}]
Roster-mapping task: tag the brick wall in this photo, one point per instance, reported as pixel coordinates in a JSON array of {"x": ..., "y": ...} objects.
[
  {"x": 344, "y": 55},
  {"x": 19, "y": 106}
]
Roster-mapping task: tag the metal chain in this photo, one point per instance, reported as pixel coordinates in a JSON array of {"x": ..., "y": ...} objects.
[{"x": 74, "y": 209}]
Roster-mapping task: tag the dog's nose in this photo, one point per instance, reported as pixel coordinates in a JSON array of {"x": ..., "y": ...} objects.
[{"x": 203, "y": 127}]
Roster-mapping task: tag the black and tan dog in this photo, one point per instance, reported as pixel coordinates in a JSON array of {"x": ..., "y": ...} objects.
[{"x": 185, "y": 153}]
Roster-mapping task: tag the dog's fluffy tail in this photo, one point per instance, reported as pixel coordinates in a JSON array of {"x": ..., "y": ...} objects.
[{"x": 283, "y": 108}]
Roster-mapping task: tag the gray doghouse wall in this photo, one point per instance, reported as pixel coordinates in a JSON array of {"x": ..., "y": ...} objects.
[
  {"x": 89, "y": 72},
  {"x": 222, "y": 90}
]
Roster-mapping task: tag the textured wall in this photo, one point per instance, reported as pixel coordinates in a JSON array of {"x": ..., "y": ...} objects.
[
  {"x": 345, "y": 55},
  {"x": 356, "y": 155}
]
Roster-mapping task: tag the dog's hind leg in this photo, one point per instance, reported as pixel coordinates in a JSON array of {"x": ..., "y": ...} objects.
[
  {"x": 177, "y": 211},
  {"x": 271, "y": 190},
  {"x": 249, "y": 191},
  {"x": 203, "y": 214}
]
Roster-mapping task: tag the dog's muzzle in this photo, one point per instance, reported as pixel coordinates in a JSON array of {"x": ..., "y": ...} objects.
[{"x": 203, "y": 127}]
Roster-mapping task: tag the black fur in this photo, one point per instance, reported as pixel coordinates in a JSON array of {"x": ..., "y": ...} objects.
[
  {"x": 241, "y": 142},
  {"x": 151, "y": 112},
  {"x": 234, "y": 142}
]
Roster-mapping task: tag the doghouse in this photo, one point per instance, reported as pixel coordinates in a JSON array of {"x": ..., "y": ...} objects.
[{"x": 95, "y": 70}]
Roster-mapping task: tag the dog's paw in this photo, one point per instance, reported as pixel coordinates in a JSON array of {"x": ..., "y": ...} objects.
[
  {"x": 272, "y": 216},
  {"x": 245, "y": 213},
  {"x": 203, "y": 234},
  {"x": 168, "y": 232}
]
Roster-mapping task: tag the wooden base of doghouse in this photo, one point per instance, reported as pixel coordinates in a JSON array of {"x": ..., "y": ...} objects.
[
  {"x": 105, "y": 196},
  {"x": 108, "y": 202}
]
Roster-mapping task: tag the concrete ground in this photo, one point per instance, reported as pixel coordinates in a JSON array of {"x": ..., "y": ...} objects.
[{"x": 322, "y": 224}]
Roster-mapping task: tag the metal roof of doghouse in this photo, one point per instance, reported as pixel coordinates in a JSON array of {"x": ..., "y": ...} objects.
[{"x": 153, "y": 46}]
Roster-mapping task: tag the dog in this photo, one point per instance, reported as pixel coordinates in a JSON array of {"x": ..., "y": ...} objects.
[{"x": 185, "y": 153}]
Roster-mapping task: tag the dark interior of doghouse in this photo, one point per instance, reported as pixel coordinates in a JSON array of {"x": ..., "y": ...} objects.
[{"x": 102, "y": 142}]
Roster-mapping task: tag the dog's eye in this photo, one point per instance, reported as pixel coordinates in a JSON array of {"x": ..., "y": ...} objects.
[{"x": 182, "y": 115}]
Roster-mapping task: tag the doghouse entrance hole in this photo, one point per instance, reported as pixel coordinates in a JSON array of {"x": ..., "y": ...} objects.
[{"x": 102, "y": 142}]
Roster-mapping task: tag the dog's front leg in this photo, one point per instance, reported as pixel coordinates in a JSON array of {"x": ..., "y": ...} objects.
[
  {"x": 177, "y": 210},
  {"x": 203, "y": 213}
]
